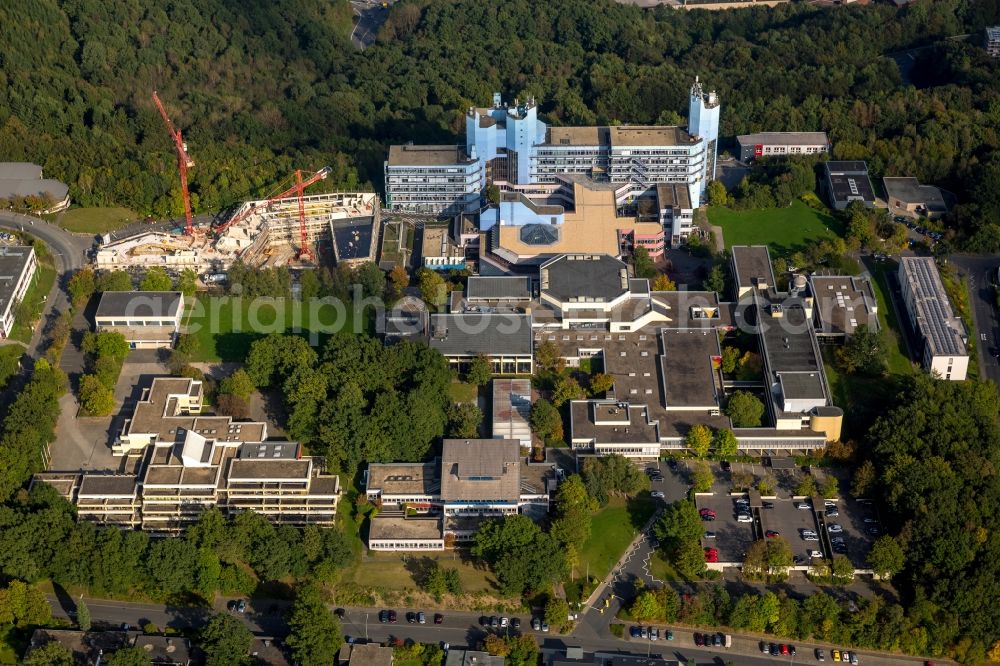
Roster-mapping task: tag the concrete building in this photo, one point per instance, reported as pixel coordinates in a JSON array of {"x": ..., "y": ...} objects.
[
  {"x": 504, "y": 339},
  {"x": 147, "y": 319},
  {"x": 908, "y": 195},
  {"x": 24, "y": 180},
  {"x": 508, "y": 145},
  {"x": 364, "y": 654},
  {"x": 91, "y": 648},
  {"x": 438, "y": 251},
  {"x": 676, "y": 211},
  {"x": 773, "y": 144},
  {"x": 459, "y": 657},
  {"x": 841, "y": 303},
  {"x": 355, "y": 240},
  {"x": 512, "y": 410},
  {"x": 474, "y": 479},
  {"x": 993, "y": 41},
  {"x": 944, "y": 337},
  {"x": 18, "y": 264},
  {"x": 186, "y": 462},
  {"x": 436, "y": 180},
  {"x": 846, "y": 182}
]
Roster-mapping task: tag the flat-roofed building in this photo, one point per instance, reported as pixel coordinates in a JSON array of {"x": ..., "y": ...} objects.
[
  {"x": 147, "y": 319},
  {"x": 846, "y": 182},
  {"x": 773, "y": 144},
  {"x": 18, "y": 264},
  {"x": 438, "y": 252},
  {"x": 993, "y": 41},
  {"x": 402, "y": 533},
  {"x": 436, "y": 180},
  {"x": 841, "y": 304},
  {"x": 676, "y": 211},
  {"x": 364, "y": 654},
  {"x": 944, "y": 352},
  {"x": 504, "y": 339},
  {"x": 23, "y": 184},
  {"x": 480, "y": 476},
  {"x": 459, "y": 657},
  {"x": 908, "y": 195},
  {"x": 604, "y": 427},
  {"x": 355, "y": 240},
  {"x": 186, "y": 463},
  {"x": 752, "y": 269},
  {"x": 512, "y": 410},
  {"x": 399, "y": 485}
]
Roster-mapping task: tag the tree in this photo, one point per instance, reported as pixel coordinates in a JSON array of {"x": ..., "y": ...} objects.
[
  {"x": 82, "y": 615},
  {"x": 725, "y": 443},
  {"x": 646, "y": 607},
  {"x": 433, "y": 289},
  {"x": 520, "y": 650},
  {"x": 187, "y": 283},
  {"x": 730, "y": 359},
  {"x": 493, "y": 194},
  {"x": 464, "y": 420},
  {"x": 702, "y": 477},
  {"x": 745, "y": 409},
  {"x": 698, "y": 440},
  {"x": 806, "y": 486},
  {"x": 156, "y": 279},
  {"x": 716, "y": 280},
  {"x": 865, "y": 477},
  {"x": 226, "y": 641},
  {"x": 644, "y": 266},
  {"x": 601, "y": 383},
  {"x": 81, "y": 287},
  {"x": 546, "y": 421},
  {"x": 129, "y": 656},
  {"x": 767, "y": 484},
  {"x": 717, "y": 195},
  {"x": 842, "y": 570},
  {"x": 113, "y": 281},
  {"x": 831, "y": 487},
  {"x": 573, "y": 510},
  {"x": 96, "y": 399},
  {"x": 663, "y": 283},
  {"x": 865, "y": 352},
  {"x": 679, "y": 524},
  {"x": 185, "y": 350},
  {"x": 399, "y": 279},
  {"x": 110, "y": 344},
  {"x": 52, "y": 653},
  {"x": 232, "y": 405},
  {"x": 886, "y": 557},
  {"x": 314, "y": 632},
  {"x": 612, "y": 475},
  {"x": 557, "y": 612},
  {"x": 480, "y": 371},
  {"x": 237, "y": 384},
  {"x": 547, "y": 356},
  {"x": 567, "y": 389}
]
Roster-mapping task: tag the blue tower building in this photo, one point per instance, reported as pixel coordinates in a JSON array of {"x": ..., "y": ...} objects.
[{"x": 703, "y": 122}]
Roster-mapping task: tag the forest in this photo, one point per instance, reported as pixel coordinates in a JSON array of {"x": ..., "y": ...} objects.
[{"x": 260, "y": 89}]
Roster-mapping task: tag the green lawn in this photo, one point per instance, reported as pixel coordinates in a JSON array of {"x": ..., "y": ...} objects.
[
  {"x": 785, "y": 230},
  {"x": 226, "y": 326},
  {"x": 95, "y": 220},
  {"x": 10, "y": 357},
  {"x": 390, "y": 572},
  {"x": 45, "y": 277},
  {"x": 612, "y": 530},
  {"x": 899, "y": 362},
  {"x": 463, "y": 392}
]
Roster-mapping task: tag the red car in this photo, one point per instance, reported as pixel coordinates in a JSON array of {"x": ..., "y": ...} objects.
[
  {"x": 711, "y": 555},
  {"x": 438, "y": 618},
  {"x": 698, "y": 640},
  {"x": 771, "y": 534},
  {"x": 783, "y": 648}
]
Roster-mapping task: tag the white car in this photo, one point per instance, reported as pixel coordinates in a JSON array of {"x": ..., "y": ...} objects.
[
  {"x": 657, "y": 493},
  {"x": 814, "y": 553},
  {"x": 854, "y": 659},
  {"x": 805, "y": 506},
  {"x": 809, "y": 536},
  {"x": 744, "y": 518},
  {"x": 835, "y": 528}
]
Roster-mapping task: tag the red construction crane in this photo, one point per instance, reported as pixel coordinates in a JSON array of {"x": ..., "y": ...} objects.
[
  {"x": 183, "y": 163},
  {"x": 295, "y": 190}
]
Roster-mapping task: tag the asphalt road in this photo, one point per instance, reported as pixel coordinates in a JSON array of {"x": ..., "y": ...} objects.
[
  {"x": 981, "y": 272},
  {"x": 463, "y": 629}
]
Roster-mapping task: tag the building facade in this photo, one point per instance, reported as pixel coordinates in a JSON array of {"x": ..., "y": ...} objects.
[
  {"x": 847, "y": 182},
  {"x": 147, "y": 319},
  {"x": 434, "y": 180},
  {"x": 944, "y": 352},
  {"x": 993, "y": 41},
  {"x": 773, "y": 144},
  {"x": 18, "y": 264}
]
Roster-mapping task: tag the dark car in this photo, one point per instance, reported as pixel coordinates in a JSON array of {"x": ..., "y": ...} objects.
[
  {"x": 340, "y": 612},
  {"x": 672, "y": 464},
  {"x": 484, "y": 621},
  {"x": 699, "y": 640},
  {"x": 515, "y": 623},
  {"x": 383, "y": 616},
  {"x": 716, "y": 640},
  {"x": 775, "y": 650},
  {"x": 392, "y": 617},
  {"x": 764, "y": 647},
  {"x": 767, "y": 505},
  {"x": 411, "y": 617},
  {"x": 494, "y": 621},
  {"x": 241, "y": 607},
  {"x": 791, "y": 650},
  {"x": 438, "y": 618},
  {"x": 231, "y": 605},
  {"x": 726, "y": 466},
  {"x": 634, "y": 632}
]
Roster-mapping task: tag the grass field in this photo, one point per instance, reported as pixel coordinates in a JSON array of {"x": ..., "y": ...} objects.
[
  {"x": 34, "y": 298},
  {"x": 463, "y": 392},
  {"x": 10, "y": 356},
  {"x": 390, "y": 571},
  {"x": 612, "y": 530},
  {"x": 95, "y": 220},
  {"x": 11, "y": 645},
  {"x": 785, "y": 230},
  {"x": 899, "y": 362},
  {"x": 226, "y": 326}
]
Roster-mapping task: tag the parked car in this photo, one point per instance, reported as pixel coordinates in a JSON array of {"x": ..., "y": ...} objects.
[
  {"x": 873, "y": 530},
  {"x": 383, "y": 616},
  {"x": 411, "y": 618},
  {"x": 772, "y": 534},
  {"x": 809, "y": 535},
  {"x": 536, "y": 624},
  {"x": 871, "y": 521},
  {"x": 652, "y": 470},
  {"x": 494, "y": 622},
  {"x": 241, "y": 606},
  {"x": 784, "y": 649},
  {"x": 421, "y": 618},
  {"x": 814, "y": 553},
  {"x": 805, "y": 506},
  {"x": 515, "y": 623},
  {"x": 709, "y": 535},
  {"x": 717, "y": 640},
  {"x": 726, "y": 466},
  {"x": 633, "y": 632},
  {"x": 835, "y": 528},
  {"x": 820, "y": 656},
  {"x": 438, "y": 618},
  {"x": 767, "y": 505},
  {"x": 672, "y": 464},
  {"x": 654, "y": 634},
  {"x": 657, "y": 494},
  {"x": 670, "y": 635},
  {"x": 775, "y": 650},
  {"x": 791, "y": 650},
  {"x": 699, "y": 640},
  {"x": 392, "y": 617},
  {"x": 711, "y": 555},
  {"x": 706, "y": 512},
  {"x": 744, "y": 518},
  {"x": 340, "y": 612},
  {"x": 545, "y": 627},
  {"x": 765, "y": 647},
  {"x": 832, "y": 512},
  {"x": 854, "y": 658},
  {"x": 835, "y": 654}
]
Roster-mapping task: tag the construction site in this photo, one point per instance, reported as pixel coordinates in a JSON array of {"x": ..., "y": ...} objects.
[{"x": 289, "y": 228}]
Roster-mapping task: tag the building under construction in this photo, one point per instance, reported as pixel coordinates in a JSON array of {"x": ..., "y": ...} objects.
[{"x": 260, "y": 233}]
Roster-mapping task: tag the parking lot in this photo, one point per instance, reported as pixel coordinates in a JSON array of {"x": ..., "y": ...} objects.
[
  {"x": 732, "y": 538},
  {"x": 789, "y": 522},
  {"x": 856, "y": 535}
]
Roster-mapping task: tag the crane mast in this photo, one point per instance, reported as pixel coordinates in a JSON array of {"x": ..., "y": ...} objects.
[{"x": 184, "y": 162}]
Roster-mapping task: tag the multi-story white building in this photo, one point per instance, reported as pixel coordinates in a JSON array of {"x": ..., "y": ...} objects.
[
  {"x": 437, "y": 180},
  {"x": 993, "y": 41},
  {"x": 17, "y": 269},
  {"x": 186, "y": 462},
  {"x": 510, "y": 146},
  {"x": 147, "y": 319},
  {"x": 944, "y": 338}
]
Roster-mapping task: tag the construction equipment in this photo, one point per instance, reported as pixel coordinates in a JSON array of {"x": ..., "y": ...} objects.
[
  {"x": 296, "y": 190},
  {"x": 184, "y": 162}
]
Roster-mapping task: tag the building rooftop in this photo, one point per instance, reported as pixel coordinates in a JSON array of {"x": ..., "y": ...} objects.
[
  {"x": 139, "y": 304},
  {"x": 268, "y": 470},
  {"x": 619, "y": 136},
  {"x": 13, "y": 260},
  {"x": 483, "y": 288},
  {"x": 366, "y": 654},
  {"x": 471, "y": 334},
  {"x": 752, "y": 264},
  {"x": 512, "y": 410},
  {"x": 480, "y": 469},
  {"x": 673, "y": 195},
  {"x": 20, "y": 171},
  {"x": 784, "y": 139},
  {"x": 843, "y": 303},
  {"x": 165, "y": 649},
  {"x": 411, "y": 155},
  {"x": 849, "y": 181},
  {"x": 786, "y": 334},
  {"x": 457, "y": 657},
  {"x": 610, "y": 422},
  {"x": 599, "y": 278},
  {"x": 802, "y": 385},
  {"x": 111, "y": 485},
  {"x": 404, "y": 478},
  {"x": 400, "y": 527},
  {"x": 688, "y": 368},
  {"x": 352, "y": 237},
  {"x": 937, "y": 322},
  {"x": 910, "y": 191}
]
